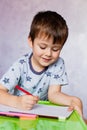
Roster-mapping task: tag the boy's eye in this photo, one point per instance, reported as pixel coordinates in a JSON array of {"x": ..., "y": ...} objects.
[
  {"x": 42, "y": 47},
  {"x": 55, "y": 49}
]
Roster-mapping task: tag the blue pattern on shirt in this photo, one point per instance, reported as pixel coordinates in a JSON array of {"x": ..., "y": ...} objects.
[{"x": 21, "y": 73}]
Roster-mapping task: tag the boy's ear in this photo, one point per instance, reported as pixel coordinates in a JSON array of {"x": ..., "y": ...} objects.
[{"x": 30, "y": 42}]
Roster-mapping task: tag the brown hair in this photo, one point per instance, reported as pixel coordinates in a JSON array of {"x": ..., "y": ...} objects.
[{"x": 49, "y": 24}]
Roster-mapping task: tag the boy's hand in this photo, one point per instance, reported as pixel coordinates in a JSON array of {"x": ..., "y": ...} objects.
[
  {"x": 76, "y": 104},
  {"x": 26, "y": 102}
]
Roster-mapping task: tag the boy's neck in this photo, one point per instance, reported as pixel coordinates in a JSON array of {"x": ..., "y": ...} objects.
[{"x": 36, "y": 67}]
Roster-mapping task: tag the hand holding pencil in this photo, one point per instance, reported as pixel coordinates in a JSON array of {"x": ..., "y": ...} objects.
[{"x": 26, "y": 101}]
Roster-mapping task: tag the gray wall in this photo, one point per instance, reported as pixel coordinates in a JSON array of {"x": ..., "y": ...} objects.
[{"x": 15, "y": 19}]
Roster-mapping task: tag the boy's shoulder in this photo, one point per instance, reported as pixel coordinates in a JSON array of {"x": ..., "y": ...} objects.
[
  {"x": 24, "y": 57},
  {"x": 23, "y": 60},
  {"x": 57, "y": 65},
  {"x": 60, "y": 61}
]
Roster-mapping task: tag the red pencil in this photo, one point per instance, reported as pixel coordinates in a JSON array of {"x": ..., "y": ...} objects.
[{"x": 21, "y": 89}]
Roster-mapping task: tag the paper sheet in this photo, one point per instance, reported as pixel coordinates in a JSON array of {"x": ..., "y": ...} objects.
[{"x": 42, "y": 110}]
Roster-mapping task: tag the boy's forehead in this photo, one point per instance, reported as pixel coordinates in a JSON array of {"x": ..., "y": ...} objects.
[
  {"x": 46, "y": 37},
  {"x": 46, "y": 40},
  {"x": 43, "y": 35}
]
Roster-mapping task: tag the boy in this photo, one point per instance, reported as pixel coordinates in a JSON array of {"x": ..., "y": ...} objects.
[{"x": 42, "y": 71}]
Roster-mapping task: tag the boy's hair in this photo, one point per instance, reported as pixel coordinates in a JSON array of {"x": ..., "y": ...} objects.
[{"x": 49, "y": 24}]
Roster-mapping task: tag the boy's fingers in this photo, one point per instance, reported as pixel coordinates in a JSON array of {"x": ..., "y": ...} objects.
[
  {"x": 70, "y": 108},
  {"x": 36, "y": 98}
]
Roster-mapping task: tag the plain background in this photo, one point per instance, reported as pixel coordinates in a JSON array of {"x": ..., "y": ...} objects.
[{"x": 15, "y": 20}]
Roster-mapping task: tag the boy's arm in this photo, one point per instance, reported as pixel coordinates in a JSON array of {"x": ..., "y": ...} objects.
[
  {"x": 6, "y": 98},
  {"x": 25, "y": 102},
  {"x": 56, "y": 96}
]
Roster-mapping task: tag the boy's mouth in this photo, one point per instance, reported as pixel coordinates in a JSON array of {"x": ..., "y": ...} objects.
[{"x": 46, "y": 59}]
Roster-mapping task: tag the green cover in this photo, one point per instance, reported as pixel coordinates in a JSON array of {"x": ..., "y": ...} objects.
[{"x": 74, "y": 122}]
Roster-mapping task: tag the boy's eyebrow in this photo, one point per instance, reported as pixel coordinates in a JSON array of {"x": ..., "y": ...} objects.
[
  {"x": 42, "y": 43},
  {"x": 54, "y": 45}
]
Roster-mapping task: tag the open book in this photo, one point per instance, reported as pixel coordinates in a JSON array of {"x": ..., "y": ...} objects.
[{"x": 38, "y": 109}]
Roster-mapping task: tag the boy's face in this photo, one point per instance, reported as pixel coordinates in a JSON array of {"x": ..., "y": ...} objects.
[{"x": 44, "y": 52}]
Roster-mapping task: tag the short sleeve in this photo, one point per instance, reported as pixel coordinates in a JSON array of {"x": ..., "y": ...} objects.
[
  {"x": 11, "y": 77},
  {"x": 59, "y": 74}
]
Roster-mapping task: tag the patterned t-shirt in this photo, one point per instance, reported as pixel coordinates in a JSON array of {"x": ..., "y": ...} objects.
[{"x": 22, "y": 73}]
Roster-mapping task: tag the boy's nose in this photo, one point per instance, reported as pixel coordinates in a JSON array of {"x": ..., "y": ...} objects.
[{"x": 48, "y": 52}]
